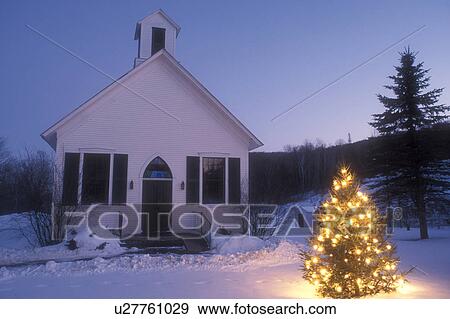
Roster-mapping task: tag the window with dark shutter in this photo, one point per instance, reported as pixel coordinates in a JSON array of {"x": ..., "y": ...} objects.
[
  {"x": 213, "y": 180},
  {"x": 95, "y": 178},
  {"x": 234, "y": 180},
  {"x": 119, "y": 187},
  {"x": 192, "y": 179},
  {"x": 158, "y": 39},
  {"x": 70, "y": 179}
]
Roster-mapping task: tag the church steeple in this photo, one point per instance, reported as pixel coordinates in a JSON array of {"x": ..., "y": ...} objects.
[{"x": 155, "y": 32}]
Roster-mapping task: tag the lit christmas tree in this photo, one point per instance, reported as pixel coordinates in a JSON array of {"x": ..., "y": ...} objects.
[{"x": 349, "y": 255}]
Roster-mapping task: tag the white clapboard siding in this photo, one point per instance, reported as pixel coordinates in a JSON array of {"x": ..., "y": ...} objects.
[{"x": 124, "y": 122}]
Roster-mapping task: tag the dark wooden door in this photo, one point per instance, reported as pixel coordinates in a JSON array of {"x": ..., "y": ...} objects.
[{"x": 156, "y": 202}]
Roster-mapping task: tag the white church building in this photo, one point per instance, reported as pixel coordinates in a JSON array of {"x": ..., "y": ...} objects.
[{"x": 155, "y": 135}]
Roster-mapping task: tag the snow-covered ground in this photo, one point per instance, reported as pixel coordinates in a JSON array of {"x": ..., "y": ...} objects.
[
  {"x": 245, "y": 268},
  {"x": 15, "y": 248}
]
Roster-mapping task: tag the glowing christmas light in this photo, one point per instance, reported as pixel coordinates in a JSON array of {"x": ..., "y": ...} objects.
[{"x": 346, "y": 250}]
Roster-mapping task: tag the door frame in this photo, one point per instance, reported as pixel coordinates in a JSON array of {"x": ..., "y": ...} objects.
[
  {"x": 142, "y": 179},
  {"x": 144, "y": 166}
]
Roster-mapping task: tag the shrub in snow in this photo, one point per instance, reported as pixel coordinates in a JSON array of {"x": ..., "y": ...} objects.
[
  {"x": 84, "y": 239},
  {"x": 71, "y": 244},
  {"x": 101, "y": 246}
]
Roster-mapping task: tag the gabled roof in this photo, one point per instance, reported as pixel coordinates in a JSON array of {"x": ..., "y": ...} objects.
[
  {"x": 50, "y": 137},
  {"x": 165, "y": 16}
]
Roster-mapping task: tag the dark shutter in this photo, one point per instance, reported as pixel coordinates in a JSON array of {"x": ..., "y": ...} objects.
[
  {"x": 192, "y": 179},
  {"x": 119, "y": 187},
  {"x": 234, "y": 180},
  {"x": 158, "y": 39},
  {"x": 70, "y": 179},
  {"x": 95, "y": 178},
  {"x": 213, "y": 180}
]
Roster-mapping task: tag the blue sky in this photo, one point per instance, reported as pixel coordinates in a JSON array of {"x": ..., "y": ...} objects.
[{"x": 257, "y": 57}]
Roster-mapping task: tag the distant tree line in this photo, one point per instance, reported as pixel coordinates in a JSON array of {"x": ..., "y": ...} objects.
[
  {"x": 26, "y": 185},
  {"x": 280, "y": 177},
  {"x": 25, "y": 181}
]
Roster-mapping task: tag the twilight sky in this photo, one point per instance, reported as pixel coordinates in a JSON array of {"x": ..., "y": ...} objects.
[{"x": 257, "y": 57}]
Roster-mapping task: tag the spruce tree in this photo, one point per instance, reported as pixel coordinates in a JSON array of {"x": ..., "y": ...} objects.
[
  {"x": 349, "y": 256},
  {"x": 403, "y": 158}
]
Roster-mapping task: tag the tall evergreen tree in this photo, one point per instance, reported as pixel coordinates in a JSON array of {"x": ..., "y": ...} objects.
[{"x": 404, "y": 159}]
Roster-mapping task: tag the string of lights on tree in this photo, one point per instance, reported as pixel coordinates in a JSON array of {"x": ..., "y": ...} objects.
[{"x": 349, "y": 256}]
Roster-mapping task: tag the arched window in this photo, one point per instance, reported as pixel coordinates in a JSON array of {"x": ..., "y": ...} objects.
[{"x": 158, "y": 169}]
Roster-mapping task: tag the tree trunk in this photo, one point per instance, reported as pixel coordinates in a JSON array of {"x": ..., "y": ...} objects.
[
  {"x": 419, "y": 186},
  {"x": 422, "y": 215}
]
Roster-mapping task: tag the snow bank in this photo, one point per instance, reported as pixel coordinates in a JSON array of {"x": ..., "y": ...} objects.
[
  {"x": 276, "y": 253},
  {"x": 269, "y": 272},
  {"x": 16, "y": 249},
  {"x": 273, "y": 254},
  {"x": 231, "y": 245}
]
